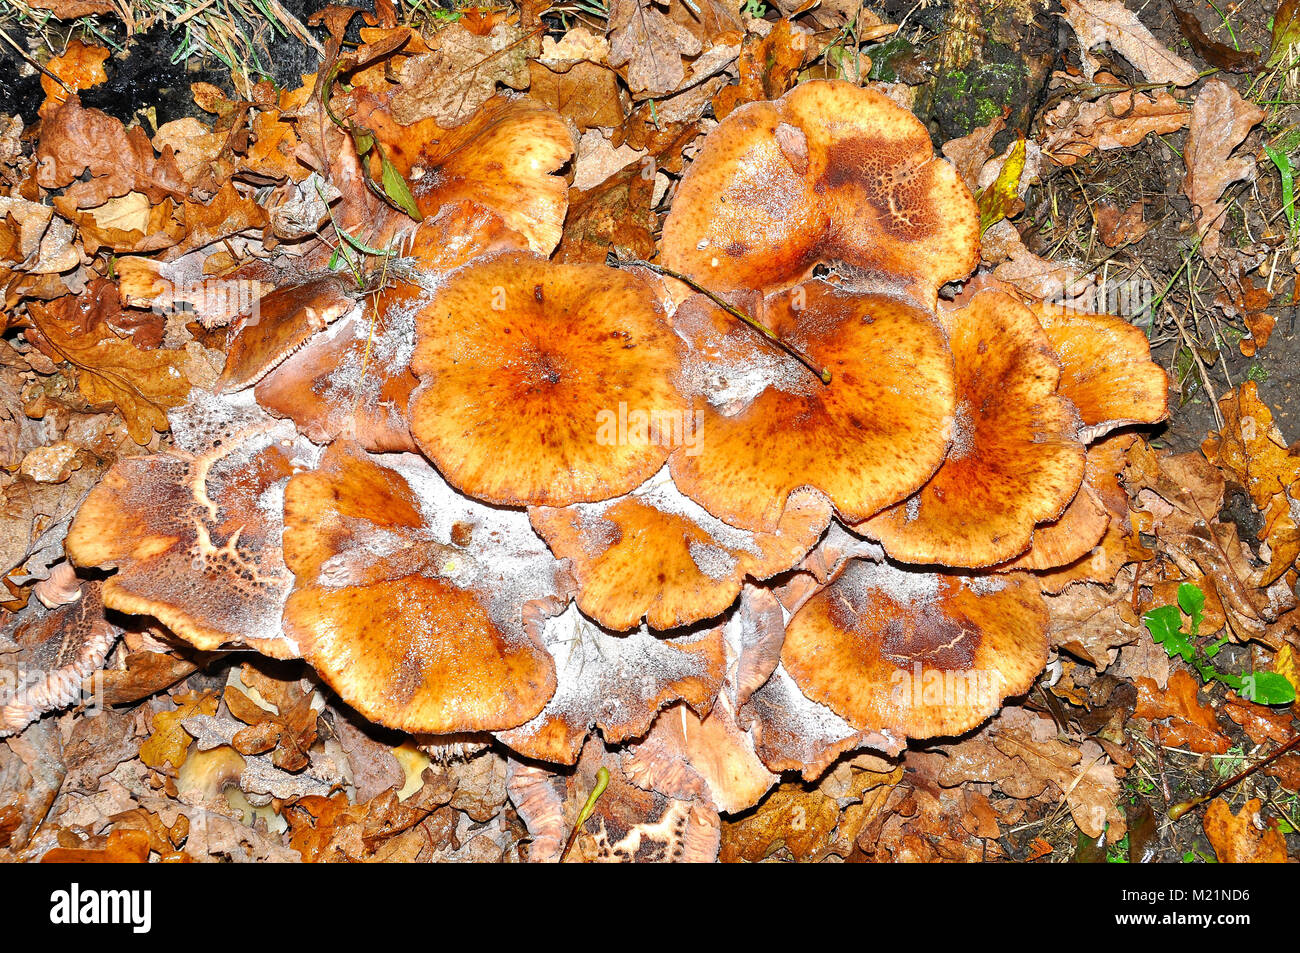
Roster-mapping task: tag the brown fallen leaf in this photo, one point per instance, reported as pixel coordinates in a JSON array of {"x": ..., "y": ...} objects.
[
  {"x": 650, "y": 45},
  {"x": 1244, "y": 837},
  {"x": 170, "y": 742},
  {"x": 461, "y": 73},
  {"x": 1189, "y": 723},
  {"x": 1075, "y": 129},
  {"x": 768, "y": 67},
  {"x": 585, "y": 93},
  {"x": 1220, "y": 122},
  {"x": 793, "y": 818},
  {"x": 1253, "y": 452},
  {"x": 79, "y": 67},
  {"x": 614, "y": 216},
  {"x": 1108, "y": 21},
  {"x": 1219, "y": 55},
  {"x": 1116, "y": 228},
  {"x": 142, "y": 384},
  {"x": 121, "y": 847},
  {"x": 290, "y": 730}
]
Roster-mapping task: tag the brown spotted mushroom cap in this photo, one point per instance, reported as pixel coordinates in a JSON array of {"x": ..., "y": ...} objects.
[
  {"x": 657, "y": 555},
  {"x": 194, "y": 532},
  {"x": 1015, "y": 459},
  {"x": 767, "y": 427},
  {"x": 913, "y": 654},
  {"x": 527, "y": 369},
  {"x": 419, "y": 607},
  {"x": 829, "y": 172}
]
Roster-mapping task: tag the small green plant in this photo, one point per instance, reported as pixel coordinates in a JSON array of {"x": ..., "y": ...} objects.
[
  {"x": 1257, "y": 372},
  {"x": 1117, "y": 853},
  {"x": 1165, "y": 625},
  {"x": 1287, "y": 174}
]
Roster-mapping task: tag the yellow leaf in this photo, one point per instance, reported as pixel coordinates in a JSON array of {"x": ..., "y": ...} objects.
[
  {"x": 1002, "y": 199},
  {"x": 169, "y": 741},
  {"x": 1286, "y": 665}
]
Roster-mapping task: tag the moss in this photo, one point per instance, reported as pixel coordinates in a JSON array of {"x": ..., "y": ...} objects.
[{"x": 973, "y": 97}]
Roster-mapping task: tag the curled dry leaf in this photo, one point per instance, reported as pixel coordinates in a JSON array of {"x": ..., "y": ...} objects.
[
  {"x": 1221, "y": 120},
  {"x": 1108, "y": 21},
  {"x": 1076, "y": 129}
]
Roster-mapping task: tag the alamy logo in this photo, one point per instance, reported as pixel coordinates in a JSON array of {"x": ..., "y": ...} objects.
[{"x": 77, "y": 906}]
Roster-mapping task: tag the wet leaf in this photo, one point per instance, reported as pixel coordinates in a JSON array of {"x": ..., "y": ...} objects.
[
  {"x": 1243, "y": 837},
  {"x": 1002, "y": 199},
  {"x": 1219, "y": 55}
]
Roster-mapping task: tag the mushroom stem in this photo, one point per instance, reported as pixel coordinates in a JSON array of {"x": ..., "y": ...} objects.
[
  {"x": 1181, "y": 808},
  {"x": 823, "y": 373},
  {"x": 602, "y": 782}
]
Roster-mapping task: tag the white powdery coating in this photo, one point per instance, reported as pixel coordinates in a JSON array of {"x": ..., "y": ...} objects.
[
  {"x": 731, "y": 374},
  {"x": 207, "y": 417},
  {"x": 505, "y": 560},
  {"x": 605, "y": 677},
  {"x": 984, "y": 585},
  {"x": 713, "y": 562},
  {"x": 799, "y": 715},
  {"x": 662, "y": 494},
  {"x": 963, "y": 432},
  {"x": 861, "y": 579}
]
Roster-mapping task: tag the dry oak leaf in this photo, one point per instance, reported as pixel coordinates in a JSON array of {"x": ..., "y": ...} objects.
[
  {"x": 1244, "y": 837},
  {"x": 228, "y": 213},
  {"x": 585, "y": 93},
  {"x": 1221, "y": 120},
  {"x": 290, "y": 729},
  {"x": 1023, "y": 755},
  {"x": 75, "y": 140},
  {"x": 170, "y": 742},
  {"x": 1191, "y": 724},
  {"x": 79, "y": 67},
  {"x": 142, "y": 384},
  {"x": 1252, "y": 451},
  {"x": 651, "y": 45},
  {"x": 461, "y": 73},
  {"x": 1116, "y": 228},
  {"x": 794, "y": 818},
  {"x": 121, "y": 847},
  {"x": 1075, "y": 129},
  {"x": 1106, "y": 21}
]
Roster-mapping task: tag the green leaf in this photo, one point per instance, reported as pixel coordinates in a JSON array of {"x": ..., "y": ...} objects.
[
  {"x": 1284, "y": 170},
  {"x": 1267, "y": 688},
  {"x": 395, "y": 187},
  {"x": 1164, "y": 624},
  {"x": 1286, "y": 34},
  {"x": 1192, "y": 601}
]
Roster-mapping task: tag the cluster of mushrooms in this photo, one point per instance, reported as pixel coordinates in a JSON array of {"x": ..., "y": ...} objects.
[{"x": 494, "y": 496}]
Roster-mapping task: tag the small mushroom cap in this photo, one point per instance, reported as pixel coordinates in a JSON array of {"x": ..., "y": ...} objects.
[
  {"x": 1106, "y": 369},
  {"x": 412, "y": 602},
  {"x": 354, "y": 379},
  {"x": 869, "y": 439},
  {"x": 502, "y": 159},
  {"x": 916, "y": 654},
  {"x": 277, "y": 325},
  {"x": 657, "y": 555},
  {"x": 196, "y": 537},
  {"x": 829, "y": 172},
  {"x": 531, "y": 374},
  {"x": 616, "y": 683},
  {"x": 1014, "y": 460}
]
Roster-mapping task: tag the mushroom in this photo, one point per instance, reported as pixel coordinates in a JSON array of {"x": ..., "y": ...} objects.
[
  {"x": 656, "y": 554},
  {"x": 419, "y": 607},
  {"x": 278, "y": 324},
  {"x": 616, "y": 683},
  {"x": 194, "y": 532},
  {"x": 830, "y": 172},
  {"x": 1015, "y": 459},
  {"x": 767, "y": 426},
  {"x": 914, "y": 654},
  {"x": 353, "y": 380},
  {"x": 57, "y": 649},
  {"x": 1106, "y": 369},
  {"x": 526, "y": 369}
]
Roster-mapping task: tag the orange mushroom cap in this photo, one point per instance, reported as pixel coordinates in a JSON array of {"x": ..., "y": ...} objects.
[
  {"x": 353, "y": 380},
  {"x": 1015, "y": 460},
  {"x": 1106, "y": 369},
  {"x": 616, "y": 683},
  {"x": 915, "y": 654},
  {"x": 418, "y": 606},
  {"x": 195, "y": 532},
  {"x": 501, "y": 159},
  {"x": 657, "y": 555},
  {"x": 527, "y": 369},
  {"x": 768, "y": 427},
  {"x": 829, "y": 172}
]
